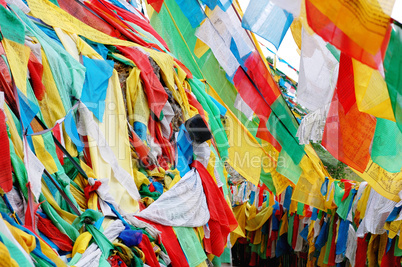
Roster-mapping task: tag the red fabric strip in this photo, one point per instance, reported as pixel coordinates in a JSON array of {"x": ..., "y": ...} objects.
[
  {"x": 222, "y": 220},
  {"x": 348, "y": 136},
  {"x": 36, "y": 71},
  {"x": 345, "y": 84},
  {"x": 128, "y": 16},
  {"x": 168, "y": 151},
  {"x": 146, "y": 247},
  {"x": 348, "y": 188},
  {"x": 154, "y": 90},
  {"x": 262, "y": 78},
  {"x": 91, "y": 188},
  {"x": 170, "y": 243},
  {"x": 6, "y": 179},
  {"x": 324, "y": 27},
  {"x": 295, "y": 230},
  {"x": 389, "y": 258},
  {"x": 84, "y": 14},
  {"x": 115, "y": 22},
  {"x": 156, "y": 4},
  {"x": 361, "y": 252},
  {"x": 57, "y": 133},
  {"x": 62, "y": 241}
]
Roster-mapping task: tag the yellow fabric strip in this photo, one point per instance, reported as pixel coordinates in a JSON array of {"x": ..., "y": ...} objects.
[
  {"x": 133, "y": 85},
  {"x": 259, "y": 220},
  {"x": 180, "y": 94},
  {"x": 51, "y": 103},
  {"x": 309, "y": 193},
  {"x": 166, "y": 63},
  {"x": 365, "y": 22},
  {"x": 81, "y": 243},
  {"x": 362, "y": 204},
  {"x": 257, "y": 237},
  {"x": 284, "y": 225},
  {"x": 246, "y": 155},
  {"x": 200, "y": 48},
  {"x": 385, "y": 183},
  {"x": 57, "y": 17},
  {"x": 296, "y": 28},
  {"x": 5, "y": 258},
  {"x": 371, "y": 92},
  {"x": 43, "y": 155},
  {"x": 26, "y": 241},
  {"x": 280, "y": 182},
  {"x": 68, "y": 217},
  {"x": 68, "y": 43},
  {"x": 17, "y": 56},
  {"x": 114, "y": 129}
]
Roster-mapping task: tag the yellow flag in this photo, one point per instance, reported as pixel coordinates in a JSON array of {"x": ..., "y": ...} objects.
[
  {"x": 371, "y": 92},
  {"x": 51, "y": 103},
  {"x": 296, "y": 28},
  {"x": 246, "y": 155},
  {"x": 200, "y": 48},
  {"x": 57, "y": 17},
  {"x": 18, "y": 56},
  {"x": 385, "y": 183},
  {"x": 365, "y": 22}
]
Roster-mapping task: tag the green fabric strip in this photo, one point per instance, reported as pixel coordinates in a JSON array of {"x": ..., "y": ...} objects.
[
  {"x": 191, "y": 246},
  {"x": 214, "y": 120},
  {"x": 393, "y": 69}
]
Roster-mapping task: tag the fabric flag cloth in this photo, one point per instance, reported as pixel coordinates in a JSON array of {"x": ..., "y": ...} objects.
[
  {"x": 209, "y": 35},
  {"x": 87, "y": 16},
  {"x": 6, "y": 179},
  {"x": 171, "y": 244},
  {"x": 113, "y": 19},
  {"x": 139, "y": 20},
  {"x": 393, "y": 68},
  {"x": 97, "y": 75},
  {"x": 183, "y": 205},
  {"x": 156, "y": 4},
  {"x": 312, "y": 126},
  {"x": 28, "y": 110},
  {"x": 231, "y": 32},
  {"x": 386, "y": 149},
  {"x": 210, "y": 3},
  {"x": 71, "y": 130},
  {"x": 371, "y": 91},
  {"x": 35, "y": 72},
  {"x": 257, "y": 103},
  {"x": 192, "y": 248},
  {"x": 154, "y": 90},
  {"x": 291, "y": 6},
  {"x": 193, "y": 11},
  {"x": 348, "y": 132},
  {"x": 222, "y": 220},
  {"x": 267, "y": 20},
  {"x": 318, "y": 73},
  {"x": 362, "y": 31},
  {"x": 35, "y": 170}
]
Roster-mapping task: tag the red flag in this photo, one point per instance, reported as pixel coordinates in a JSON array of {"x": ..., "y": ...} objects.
[
  {"x": 329, "y": 31},
  {"x": 156, "y": 4},
  {"x": 222, "y": 220},
  {"x": 36, "y": 71},
  {"x": 154, "y": 90},
  {"x": 6, "y": 179},
  {"x": 348, "y": 132}
]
